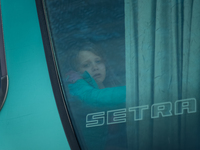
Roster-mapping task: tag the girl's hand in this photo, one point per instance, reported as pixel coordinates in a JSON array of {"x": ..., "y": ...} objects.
[{"x": 73, "y": 76}]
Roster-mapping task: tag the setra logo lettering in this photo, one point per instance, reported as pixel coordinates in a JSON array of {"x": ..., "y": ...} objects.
[{"x": 157, "y": 110}]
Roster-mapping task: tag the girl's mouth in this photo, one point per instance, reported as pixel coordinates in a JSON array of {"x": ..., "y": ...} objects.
[{"x": 98, "y": 75}]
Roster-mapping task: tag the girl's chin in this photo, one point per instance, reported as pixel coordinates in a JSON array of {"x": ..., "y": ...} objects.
[{"x": 99, "y": 81}]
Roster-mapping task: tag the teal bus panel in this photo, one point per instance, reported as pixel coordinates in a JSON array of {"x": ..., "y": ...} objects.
[{"x": 29, "y": 118}]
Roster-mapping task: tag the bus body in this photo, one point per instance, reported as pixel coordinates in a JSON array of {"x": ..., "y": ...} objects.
[
  {"x": 150, "y": 47},
  {"x": 29, "y": 118}
]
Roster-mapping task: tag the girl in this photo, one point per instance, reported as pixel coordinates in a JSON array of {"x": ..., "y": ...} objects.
[
  {"x": 91, "y": 90},
  {"x": 92, "y": 81}
]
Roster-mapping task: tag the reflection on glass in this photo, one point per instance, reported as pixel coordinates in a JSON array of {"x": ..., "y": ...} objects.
[
  {"x": 130, "y": 71},
  {"x": 89, "y": 45}
]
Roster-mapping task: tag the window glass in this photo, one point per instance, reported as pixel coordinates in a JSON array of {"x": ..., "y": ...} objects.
[{"x": 129, "y": 71}]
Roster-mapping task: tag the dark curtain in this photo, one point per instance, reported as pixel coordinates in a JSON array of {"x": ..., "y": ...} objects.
[{"x": 162, "y": 65}]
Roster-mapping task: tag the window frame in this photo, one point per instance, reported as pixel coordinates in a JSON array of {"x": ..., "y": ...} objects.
[
  {"x": 4, "y": 75},
  {"x": 54, "y": 77}
]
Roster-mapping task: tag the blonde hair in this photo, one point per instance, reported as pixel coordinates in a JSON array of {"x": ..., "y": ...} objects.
[{"x": 73, "y": 60}]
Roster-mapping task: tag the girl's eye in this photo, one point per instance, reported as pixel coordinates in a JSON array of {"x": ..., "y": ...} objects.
[
  {"x": 98, "y": 61},
  {"x": 86, "y": 65}
]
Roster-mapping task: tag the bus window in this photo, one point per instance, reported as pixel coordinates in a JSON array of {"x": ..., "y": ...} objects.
[
  {"x": 128, "y": 71},
  {"x": 3, "y": 70}
]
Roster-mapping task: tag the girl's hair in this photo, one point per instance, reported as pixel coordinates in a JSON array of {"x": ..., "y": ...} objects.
[
  {"x": 73, "y": 53},
  {"x": 82, "y": 46}
]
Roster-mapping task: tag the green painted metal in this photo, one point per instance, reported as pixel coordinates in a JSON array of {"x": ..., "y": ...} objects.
[{"x": 29, "y": 118}]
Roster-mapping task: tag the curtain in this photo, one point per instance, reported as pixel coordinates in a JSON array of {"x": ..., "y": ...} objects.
[{"x": 162, "y": 40}]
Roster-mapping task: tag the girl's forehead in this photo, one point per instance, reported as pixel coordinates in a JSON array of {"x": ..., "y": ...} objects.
[{"x": 87, "y": 55}]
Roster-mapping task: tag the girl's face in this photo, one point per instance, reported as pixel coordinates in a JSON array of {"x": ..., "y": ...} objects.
[{"x": 93, "y": 64}]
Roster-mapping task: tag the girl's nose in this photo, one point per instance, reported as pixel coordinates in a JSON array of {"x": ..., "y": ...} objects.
[{"x": 94, "y": 67}]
